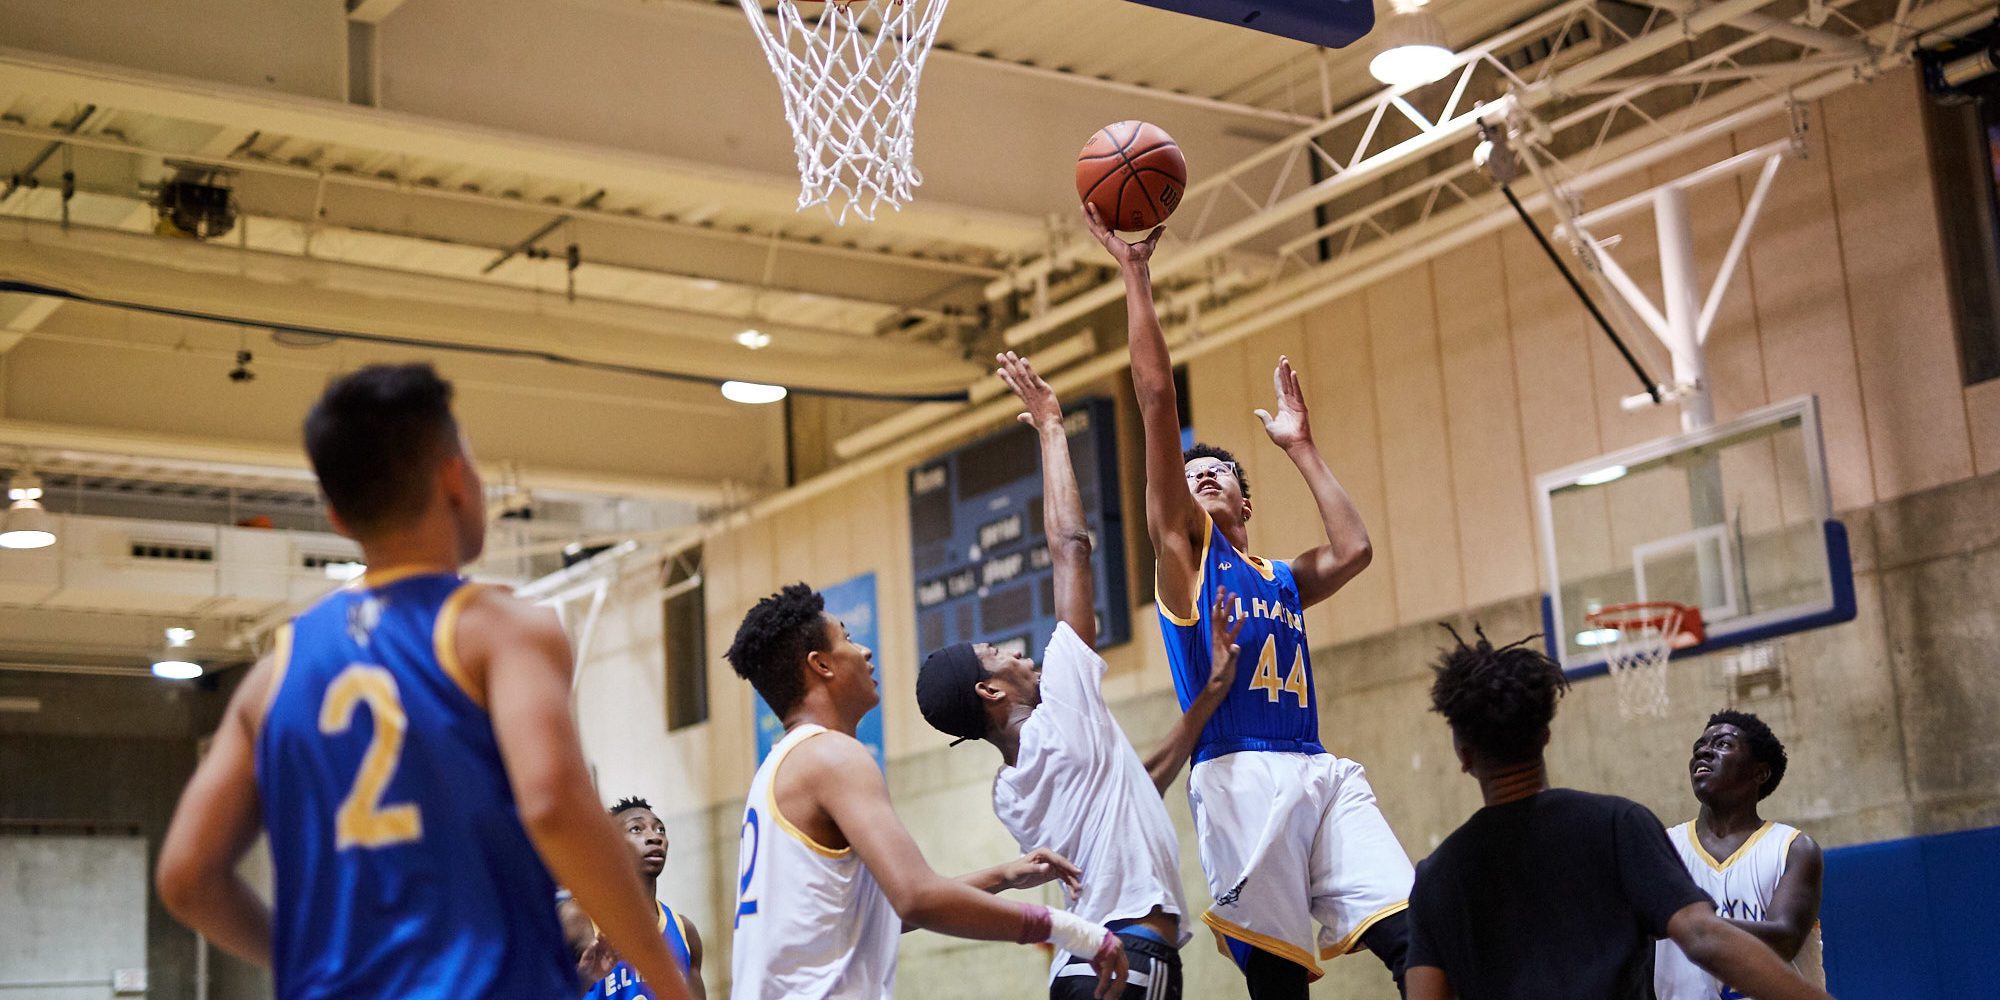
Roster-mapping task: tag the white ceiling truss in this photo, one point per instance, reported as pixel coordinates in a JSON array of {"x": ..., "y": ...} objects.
[{"x": 1585, "y": 144}]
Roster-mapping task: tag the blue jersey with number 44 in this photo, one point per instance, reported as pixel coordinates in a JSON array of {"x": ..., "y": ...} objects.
[
  {"x": 1271, "y": 705},
  {"x": 401, "y": 864}
]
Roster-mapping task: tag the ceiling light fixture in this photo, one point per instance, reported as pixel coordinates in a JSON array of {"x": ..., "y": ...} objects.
[
  {"x": 752, "y": 393},
  {"x": 26, "y": 525},
  {"x": 172, "y": 663},
  {"x": 1610, "y": 473},
  {"x": 1411, "y": 49},
  {"x": 343, "y": 570},
  {"x": 755, "y": 340}
]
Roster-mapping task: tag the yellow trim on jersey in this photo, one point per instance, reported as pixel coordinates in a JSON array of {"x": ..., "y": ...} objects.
[
  {"x": 1262, "y": 566},
  {"x": 771, "y": 794},
  {"x": 1694, "y": 838},
  {"x": 1353, "y": 939},
  {"x": 281, "y": 658},
  {"x": 1200, "y": 571},
  {"x": 662, "y": 928},
  {"x": 1261, "y": 942},
  {"x": 444, "y": 641},
  {"x": 376, "y": 579}
]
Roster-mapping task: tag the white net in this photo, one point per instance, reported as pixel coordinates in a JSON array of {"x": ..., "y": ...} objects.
[
  {"x": 849, "y": 71},
  {"x": 1637, "y": 657}
]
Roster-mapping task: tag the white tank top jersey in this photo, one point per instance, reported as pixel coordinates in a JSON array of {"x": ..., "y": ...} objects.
[
  {"x": 1078, "y": 788},
  {"x": 811, "y": 922},
  {"x": 1742, "y": 886}
]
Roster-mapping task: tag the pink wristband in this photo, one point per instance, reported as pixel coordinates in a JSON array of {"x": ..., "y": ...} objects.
[{"x": 1035, "y": 924}]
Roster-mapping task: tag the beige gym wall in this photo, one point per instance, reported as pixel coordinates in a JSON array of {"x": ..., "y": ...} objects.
[{"x": 1437, "y": 395}]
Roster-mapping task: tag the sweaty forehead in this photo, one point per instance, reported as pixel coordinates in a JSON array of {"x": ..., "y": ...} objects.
[{"x": 1720, "y": 730}]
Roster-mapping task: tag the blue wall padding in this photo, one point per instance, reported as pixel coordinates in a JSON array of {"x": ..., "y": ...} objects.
[{"x": 1914, "y": 918}]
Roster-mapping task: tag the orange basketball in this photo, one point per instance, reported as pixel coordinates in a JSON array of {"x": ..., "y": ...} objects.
[{"x": 1133, "y": 172}]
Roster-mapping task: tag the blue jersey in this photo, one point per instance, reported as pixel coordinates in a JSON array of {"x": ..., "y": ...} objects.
[
  {"x": 623, "y": 982},
  {"x": 1271, "y": 706},
  {"x": 401, "y": 863}
]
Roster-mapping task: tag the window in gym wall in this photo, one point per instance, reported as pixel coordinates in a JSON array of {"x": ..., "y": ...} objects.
[
  {"x": 1964, "y": 132},
  {"x": 686, "y": 641}
]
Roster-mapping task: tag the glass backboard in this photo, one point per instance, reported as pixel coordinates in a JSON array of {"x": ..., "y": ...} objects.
[{"x": 1734, "y": 519}]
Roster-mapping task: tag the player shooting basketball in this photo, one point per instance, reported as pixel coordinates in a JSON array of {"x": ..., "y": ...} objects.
[
  {"x": 1290, "y": 835},
  {"x": 409, "y": 749}
]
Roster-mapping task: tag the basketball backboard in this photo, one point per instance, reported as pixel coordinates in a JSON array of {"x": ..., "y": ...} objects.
[
  {"x": 1734, "y": 519},
  {"x": 1331, "y": 23}
]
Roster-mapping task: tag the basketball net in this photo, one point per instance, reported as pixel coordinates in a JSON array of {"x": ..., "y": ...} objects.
[
  {"x": 1646, "y": 635},
  {"x": 849, "y": 77}
]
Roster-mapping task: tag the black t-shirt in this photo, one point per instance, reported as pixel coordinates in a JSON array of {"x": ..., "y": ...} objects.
[{"x": 1561, "y": 894}]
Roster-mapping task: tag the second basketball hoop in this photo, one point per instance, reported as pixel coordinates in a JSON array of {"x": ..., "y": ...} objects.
[{"x": 848, "y": 70}]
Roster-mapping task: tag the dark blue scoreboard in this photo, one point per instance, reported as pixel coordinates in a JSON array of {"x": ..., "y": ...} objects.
[{"x": 980, "y": 561}]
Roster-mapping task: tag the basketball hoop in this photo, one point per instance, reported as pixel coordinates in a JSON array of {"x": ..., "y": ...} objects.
[
  {"x": 1647, "y": 633},
  {"x": 849, "y": 77}
]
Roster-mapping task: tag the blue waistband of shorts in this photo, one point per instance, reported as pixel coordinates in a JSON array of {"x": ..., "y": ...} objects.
[
  {"x": 1220, "y": 748},
  {"x": 1133, "y": 928}
]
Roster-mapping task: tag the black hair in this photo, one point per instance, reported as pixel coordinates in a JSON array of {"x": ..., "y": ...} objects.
[
  {"x": 1201, "y": 450},
  {"x": 1498, "y": 701},
  {"x": 1765, "y": 747},
  {"x": 772, "y": 643},
  {"x": 375, "y": 437},
  {"x": 630, "y": 802}
]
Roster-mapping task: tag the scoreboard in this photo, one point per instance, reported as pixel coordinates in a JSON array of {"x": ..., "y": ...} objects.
[{"x": 979, "y": 557}]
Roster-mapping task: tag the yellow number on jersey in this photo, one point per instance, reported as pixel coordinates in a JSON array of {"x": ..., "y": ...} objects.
[
  {"x": 1266, "y": 677},
  {"x": 362, "y": 821},
  {"x": 1296, "y": 682}
]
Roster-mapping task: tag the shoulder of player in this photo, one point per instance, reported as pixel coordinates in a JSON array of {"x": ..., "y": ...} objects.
[
  {"x": 829, "y": 752},
  {"x": 259, "y": 686},
  {"x": 1802, "y": 848},
  {"x": 492, "y": 611}
]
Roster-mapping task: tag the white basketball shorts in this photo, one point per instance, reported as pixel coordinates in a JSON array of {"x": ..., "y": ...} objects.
[{"x": 1289, "y": 840}]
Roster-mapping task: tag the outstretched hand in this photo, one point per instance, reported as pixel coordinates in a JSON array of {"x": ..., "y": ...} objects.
[
  {"x": 1222, "y": 642},
  {"x": 597, "y": 960},
  {"x": 1043, "y": 408},
  {"x": 1290, "y": 425},
  {"x": 1126, "y": 253},
  {"x": 1042, "y": 865}
]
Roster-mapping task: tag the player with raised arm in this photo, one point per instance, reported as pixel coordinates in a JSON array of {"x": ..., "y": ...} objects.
[
  {"x": 1290, "y": 835},
  {"x": 828, "y": 877},
  {"x": 407, "y": 745},
  {"x": 1551, "y": 891},
  {"x": 1069, "y": 778},
  {"x": 610, "y": 977},
  {"x": 1768, "y": 879}
]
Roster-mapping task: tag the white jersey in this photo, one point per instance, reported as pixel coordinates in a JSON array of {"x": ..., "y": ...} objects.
[
  {"x": 1078, "y": 788},
  {"x": 1742, "y": 886},
  {"x": 811, "y": 922}
]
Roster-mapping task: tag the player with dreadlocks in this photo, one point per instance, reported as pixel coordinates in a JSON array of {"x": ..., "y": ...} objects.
[
  {"x": 1768, "y": 879},
  {"x": 610, "y": 977},
  {"x": 1551, "y": 887}
]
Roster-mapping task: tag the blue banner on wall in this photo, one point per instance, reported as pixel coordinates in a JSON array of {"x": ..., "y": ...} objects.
[{"x": 852, "y": 602}]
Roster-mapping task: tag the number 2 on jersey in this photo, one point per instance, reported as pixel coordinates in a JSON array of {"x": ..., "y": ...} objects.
[
  {"x": 1266, "y": 677},
  {"x": 362, "y": 820}
]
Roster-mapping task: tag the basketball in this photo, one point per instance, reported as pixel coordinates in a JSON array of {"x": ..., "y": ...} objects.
[{"x": 1133, "y": 172}]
